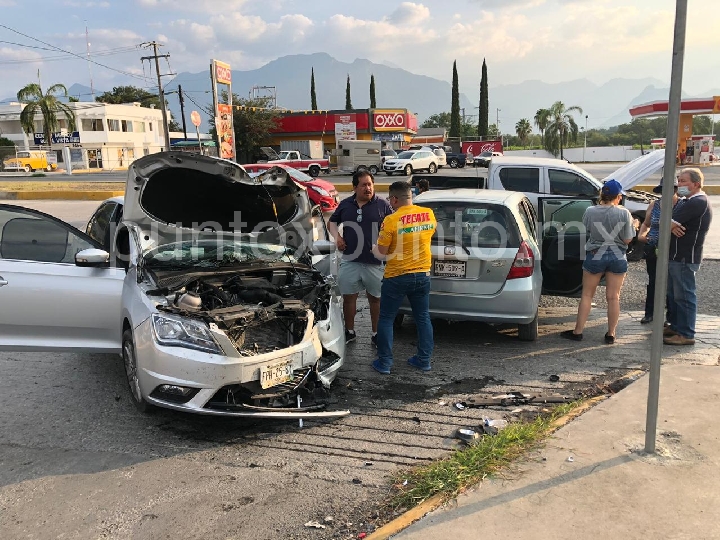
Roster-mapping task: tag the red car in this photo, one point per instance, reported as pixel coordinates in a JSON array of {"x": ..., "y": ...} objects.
[{"x": 321, "y": 192}]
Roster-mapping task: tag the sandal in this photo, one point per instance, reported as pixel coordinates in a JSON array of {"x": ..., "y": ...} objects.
[{"x": 610, "y": 340}]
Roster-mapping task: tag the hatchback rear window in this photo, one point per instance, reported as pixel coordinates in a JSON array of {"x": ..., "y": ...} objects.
[{"x": 483, "y": 225}]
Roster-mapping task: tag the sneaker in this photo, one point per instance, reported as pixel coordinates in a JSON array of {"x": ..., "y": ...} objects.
[
  {"x": 377, "y": 366},
  {"x": 349, "y": 336},
  {"x": 677, "y": 339},
  {"x": 416, "y": 363},
  {"x": 373, "y": 340},
  {"x": 569, "y": 334}
]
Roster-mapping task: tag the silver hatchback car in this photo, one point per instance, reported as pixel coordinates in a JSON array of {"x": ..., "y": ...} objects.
[{"x": 492, "y": 256}]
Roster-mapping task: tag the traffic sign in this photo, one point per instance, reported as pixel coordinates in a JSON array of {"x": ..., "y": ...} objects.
[{"x": 195, "y": 118}]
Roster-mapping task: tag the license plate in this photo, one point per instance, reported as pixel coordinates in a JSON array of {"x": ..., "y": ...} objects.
[
  {"x": 274, "y": 374},
  {"x": 450, "y": 268}
]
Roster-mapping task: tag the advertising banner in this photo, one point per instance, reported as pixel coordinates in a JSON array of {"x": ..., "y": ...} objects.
[
  {"x": 225, "y": 133},
  {"x": 389, "y": 120},
  {"x": 57, "y": 138},
  {"x": 478, "y": 147},
  {"x": 345, "y": 127},
  {"x": 223, "y": 74}
]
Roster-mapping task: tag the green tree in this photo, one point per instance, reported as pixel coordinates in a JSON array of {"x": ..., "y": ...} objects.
[
  {"x": 561, "y": 128},
  {"x": 523, "y": 129},
  {"x": 542, "y": 117},
  {"x": 348, "y": 102},
  {"x": 484, "y": 109},
  {"x": 442, "y": 120},
  {"x": 313, "y": 96},
  {"x": 373, "y": 103},
  {"x": 48, "y": 105},
  {"x": 493, "y": 132},
  {"x": 253, "y": 122},
  {"x": 455, "y": 106},
  {"x": 129, "y": 94}
]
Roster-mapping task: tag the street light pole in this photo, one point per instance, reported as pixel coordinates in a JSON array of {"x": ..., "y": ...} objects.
[
  {"x": 497, "y": 124},
  {"x": 585, "y": 142}
]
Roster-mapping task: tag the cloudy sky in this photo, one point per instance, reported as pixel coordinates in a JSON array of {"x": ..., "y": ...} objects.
[{"x": 549, "y": 40}]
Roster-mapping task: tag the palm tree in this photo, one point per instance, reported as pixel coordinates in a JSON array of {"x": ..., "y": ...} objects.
[
  {"x": 46, "y": 104},
  {"x": 523, "y": 130},
  {"x": 561, "y": 127},
  {"x": 541, "y": 121}
]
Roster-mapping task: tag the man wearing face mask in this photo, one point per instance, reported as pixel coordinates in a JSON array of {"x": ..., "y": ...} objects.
[{"x": 690, "y": 223}]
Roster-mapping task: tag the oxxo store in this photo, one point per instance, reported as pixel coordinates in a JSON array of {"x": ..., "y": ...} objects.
[{"x": 395, "y": 127}]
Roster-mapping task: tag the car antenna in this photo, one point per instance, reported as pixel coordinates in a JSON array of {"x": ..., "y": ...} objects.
[{"x": 277, "y": 219}]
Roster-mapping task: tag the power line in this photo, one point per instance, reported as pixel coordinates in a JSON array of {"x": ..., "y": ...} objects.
[{"x": 72, "y": 53}]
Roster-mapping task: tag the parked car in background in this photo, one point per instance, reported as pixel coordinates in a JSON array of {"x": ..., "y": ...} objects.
[
  {"x": 484, "y": 158},
  {"x": 489, "y": 262},
  {"x": 321, "y": 192},
  {"x": 456, "y": 160},
  {"x": 387, "y": 153},
  {"x": 436, "y": 149},
  {"x": 410, "y": 161},
  {"x": 34, "y": 160},
  {"x": 212, "y": 314}
]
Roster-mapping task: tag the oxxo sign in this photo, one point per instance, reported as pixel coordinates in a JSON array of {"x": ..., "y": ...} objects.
[
  {"x": 223, "y": 74},
  {"x": 389, "y": 121}
]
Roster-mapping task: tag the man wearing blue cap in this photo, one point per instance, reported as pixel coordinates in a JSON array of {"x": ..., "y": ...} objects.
[{"x": 610, "y": 229}]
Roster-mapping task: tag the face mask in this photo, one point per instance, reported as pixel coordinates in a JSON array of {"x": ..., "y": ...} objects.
[{"x": 683, "y": 191}]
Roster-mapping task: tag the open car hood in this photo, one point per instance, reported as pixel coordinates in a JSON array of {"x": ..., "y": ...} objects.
[
  {"x": 177, "y": 196},
  {"x": 269, "y": 152},
  {"x": 637, "y": 170}
]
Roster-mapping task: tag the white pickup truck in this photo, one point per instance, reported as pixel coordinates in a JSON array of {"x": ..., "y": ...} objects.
[{"x": 294, "y": 159}]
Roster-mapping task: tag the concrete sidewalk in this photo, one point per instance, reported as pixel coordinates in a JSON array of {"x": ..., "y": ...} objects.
[{"x": 592, "y": 480}]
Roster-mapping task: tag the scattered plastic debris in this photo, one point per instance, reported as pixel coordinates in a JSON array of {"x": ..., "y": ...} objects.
[
  {"x": 491, "y": 427},
  {"x": 368, "y": 463},
  {"x": 362, "y": 535},
  {"x": 460, "y": 406},
  {"x": 554, "y": 378},
  {"x": 328, "y": 519},
  {"x": 442, "y": 403},
  {"x": 314, "y": 525},
  {"x": 356, "y": 481},
  {"x": 405, "y": 483},
  {"x": 570, "y": 459},
  {"x": 466, "y": 434}
]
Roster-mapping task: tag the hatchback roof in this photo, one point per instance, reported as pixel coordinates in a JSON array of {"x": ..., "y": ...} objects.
[{"x": 470, "y": 195}]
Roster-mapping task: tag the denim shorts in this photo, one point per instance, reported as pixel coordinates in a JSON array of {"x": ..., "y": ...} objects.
[{"x": 605, "y": 259}]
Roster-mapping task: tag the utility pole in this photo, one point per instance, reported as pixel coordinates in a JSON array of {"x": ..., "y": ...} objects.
[
  {"x": 585, "y": 141},
  {"x": 497, "y": 125},
  {"x": 182, "y": 112},
  {"x": 161, "y": 93}
]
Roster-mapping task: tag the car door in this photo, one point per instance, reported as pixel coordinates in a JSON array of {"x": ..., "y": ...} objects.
[
  {"x": 48, "y": 302},
  {"x": 563, "y": 238}
]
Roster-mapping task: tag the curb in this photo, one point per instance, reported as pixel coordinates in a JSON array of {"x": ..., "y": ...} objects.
[
  {"x": 403, "y": 521},
  {"x": 64, "y": 195}
]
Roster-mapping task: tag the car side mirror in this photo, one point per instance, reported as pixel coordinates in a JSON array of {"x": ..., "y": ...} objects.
[{"x": 92, "y": 257}]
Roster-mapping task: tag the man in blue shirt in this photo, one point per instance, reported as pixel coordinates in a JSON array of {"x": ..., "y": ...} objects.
[
  {"x": 690, "y": 223},
  {"x": 360, "y": 217}
]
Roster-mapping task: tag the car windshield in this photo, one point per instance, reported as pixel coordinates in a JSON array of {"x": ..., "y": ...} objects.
[
  {"x": 474, "y": 224},
  {"x": 215, "y": 253},
  {"x": 296, "y": 175},
  {"x": 389, "y": 153},
  {"x": 486, "y": 154},
  {"x": 406, "y": 155}
]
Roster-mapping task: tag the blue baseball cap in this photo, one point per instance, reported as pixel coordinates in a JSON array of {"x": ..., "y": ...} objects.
[{"x": 612, "y": 188}]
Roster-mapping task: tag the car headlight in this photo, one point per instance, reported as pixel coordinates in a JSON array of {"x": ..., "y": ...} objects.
[
  {"x": 186, "y": 333},
  {"x": 320, "y": 190}
]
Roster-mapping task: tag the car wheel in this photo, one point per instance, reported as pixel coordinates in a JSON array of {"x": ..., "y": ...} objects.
[
  {"x": 432, "y": 169},
  {"x": 48, "y": 168},
  {"x": 314, "y": 171},
  {"x": 373, "y": 170},
  {"x": 131, "y": 372},
  {"x": 408, "y": 170},
  {"x": 28, "y": 168},
  {"x": 398, "y": 322},
  {"x": 454, "y": 163},
  {"x": 529, "y": 331}
]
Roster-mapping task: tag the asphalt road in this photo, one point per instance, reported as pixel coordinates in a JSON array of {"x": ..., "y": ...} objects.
[{"x": 78, "y": 461}]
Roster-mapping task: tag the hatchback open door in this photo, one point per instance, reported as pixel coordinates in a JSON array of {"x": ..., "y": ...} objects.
[{"x": 563, "y": 243}]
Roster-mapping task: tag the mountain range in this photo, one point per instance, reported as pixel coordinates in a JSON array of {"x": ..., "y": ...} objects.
[{"x": 605, "y": 104}]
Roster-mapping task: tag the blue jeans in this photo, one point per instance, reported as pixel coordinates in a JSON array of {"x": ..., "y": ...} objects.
[
  {"x": 682, "y": 299},
  {"x": 417, "y": 289}
]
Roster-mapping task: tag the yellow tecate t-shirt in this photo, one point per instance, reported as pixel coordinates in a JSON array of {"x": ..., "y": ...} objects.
[{"x": 407, "y": 234}]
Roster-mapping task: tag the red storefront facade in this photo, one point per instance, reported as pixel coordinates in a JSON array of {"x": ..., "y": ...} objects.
[{"x": 396, "y": 127}]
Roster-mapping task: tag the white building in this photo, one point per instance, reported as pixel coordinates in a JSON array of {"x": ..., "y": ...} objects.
[{"x": 107, "y": 136}]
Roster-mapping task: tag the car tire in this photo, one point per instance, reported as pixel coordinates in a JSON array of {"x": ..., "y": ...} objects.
[
  {"x": 432, "y": 169},
  {"x": 454, "y": 164},
  {"x": 373, "y": 170},
  {"x": 398, "y": 322},
  {"x": 28, "y": 168},
  {"x": 529, "y": 331},
  {"x": 48, "y": 168},
  {"x": 408, "y": 170},
  {"x": 314, "y": 171},
  {"x": 131, "y": 368}
]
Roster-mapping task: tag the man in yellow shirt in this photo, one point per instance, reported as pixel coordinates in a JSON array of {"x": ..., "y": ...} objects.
[{"x": 404, "y": 242}]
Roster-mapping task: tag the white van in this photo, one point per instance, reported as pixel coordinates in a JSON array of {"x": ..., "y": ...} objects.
[{"x": 356, "y": 155}]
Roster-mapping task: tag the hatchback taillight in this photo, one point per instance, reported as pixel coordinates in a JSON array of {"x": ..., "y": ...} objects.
[{"x": 524, "y": 263}]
